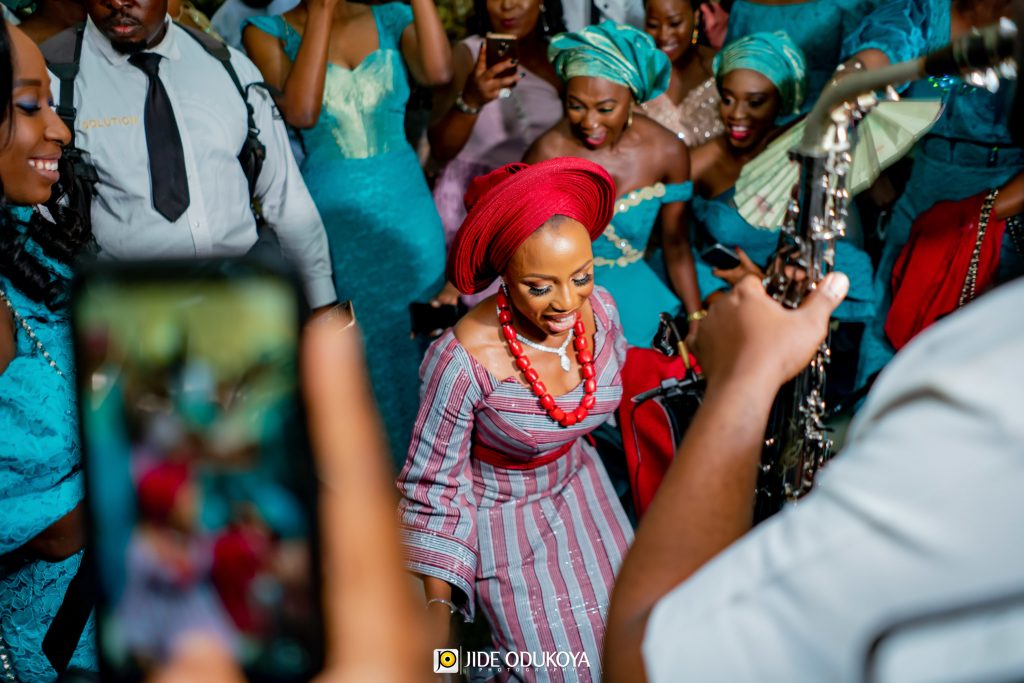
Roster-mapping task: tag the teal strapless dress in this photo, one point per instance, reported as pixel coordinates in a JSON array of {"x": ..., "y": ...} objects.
[
  {"x": 619, "y": 264},
  {"x": 717, "y": 220},
  {"x": 40, "y": 479},
  {"x": 386, "y": 240},
  {"x": 968, "y": 151},
  {"x": 831, "y": 31}
]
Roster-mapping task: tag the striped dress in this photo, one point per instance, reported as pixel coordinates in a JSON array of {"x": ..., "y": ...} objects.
[{"x": 537, "y": 548}]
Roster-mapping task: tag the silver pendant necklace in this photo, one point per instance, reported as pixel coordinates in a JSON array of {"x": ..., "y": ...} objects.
[{"x": 563, "y": 357}]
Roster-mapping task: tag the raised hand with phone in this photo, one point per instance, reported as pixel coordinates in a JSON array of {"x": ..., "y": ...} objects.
[
  {"x": 494, "y": 74},
  {"x": 473, "y": 129}
]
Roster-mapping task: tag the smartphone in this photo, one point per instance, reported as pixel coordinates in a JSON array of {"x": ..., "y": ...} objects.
[
  {"x": 201, "y": 497},
  {"x": 499, "y": 47},
  {"x": 721, "y": 257},
  {"x": 428, "y": 320}
]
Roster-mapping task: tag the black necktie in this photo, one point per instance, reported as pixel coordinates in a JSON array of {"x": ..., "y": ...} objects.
[{"x": 166, "y": 158}]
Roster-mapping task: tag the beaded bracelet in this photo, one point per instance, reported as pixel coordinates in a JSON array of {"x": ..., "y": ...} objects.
[{"x": 465, "y": 108}]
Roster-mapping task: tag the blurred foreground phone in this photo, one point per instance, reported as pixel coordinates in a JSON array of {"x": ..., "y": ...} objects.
[
  {"x": 499, "y": 47},
  {"x": 721, "y": 257},
  {"x": 200, "y": 489}
]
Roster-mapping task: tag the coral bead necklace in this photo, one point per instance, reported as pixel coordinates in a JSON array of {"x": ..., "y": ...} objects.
[{"x": 583, "y": 356}]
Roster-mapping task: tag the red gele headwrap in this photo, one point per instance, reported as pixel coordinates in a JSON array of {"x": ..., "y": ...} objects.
[
  {"x": 159, "y": 488},
  {"x": 509, "y": 204}
]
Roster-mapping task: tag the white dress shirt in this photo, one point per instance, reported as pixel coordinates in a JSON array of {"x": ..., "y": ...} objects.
[
  {"x": 110, "y": 96},
  {"x": 577, "y": 12},
  {"x": 923, "y": 510}
]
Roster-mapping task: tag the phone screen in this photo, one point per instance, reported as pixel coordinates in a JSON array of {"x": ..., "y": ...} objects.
[{"x": 201, "y": 496}]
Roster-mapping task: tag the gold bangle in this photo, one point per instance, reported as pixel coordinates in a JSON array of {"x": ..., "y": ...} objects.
[{"x": 696, "y": 316}]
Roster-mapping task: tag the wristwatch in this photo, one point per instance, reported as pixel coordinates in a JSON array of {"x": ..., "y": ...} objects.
[
  {"x": 461, "y": 105},
  {"x": 696, "y": 316}
]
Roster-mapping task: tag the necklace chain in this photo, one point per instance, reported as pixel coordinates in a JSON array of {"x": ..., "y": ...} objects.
[
  {"x": 31, "y": 334},
  {"x": 563, "y": 357}
]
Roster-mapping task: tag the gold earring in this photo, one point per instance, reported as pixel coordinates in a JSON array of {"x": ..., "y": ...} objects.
[
  {"x": 629, "y": 120},
  {"x": 695, "y": 37}
]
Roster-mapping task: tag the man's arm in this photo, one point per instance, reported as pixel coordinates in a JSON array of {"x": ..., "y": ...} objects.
[
  {"x": 749, "y": 347},
  {"x": 286, "y": 204}
]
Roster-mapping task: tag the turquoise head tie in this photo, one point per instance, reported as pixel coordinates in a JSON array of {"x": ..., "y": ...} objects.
[
  {"x": 776, "y": 57},
  {"x": 616, "y": 53}
]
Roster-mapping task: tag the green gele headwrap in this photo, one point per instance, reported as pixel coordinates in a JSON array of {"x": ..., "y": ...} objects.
[
  {"x": 777, "y": 58},
  {"x": 616, "y": 53}
]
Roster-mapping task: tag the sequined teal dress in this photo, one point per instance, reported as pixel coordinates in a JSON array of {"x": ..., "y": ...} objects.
[
  {"x": 620, "y": 265},
  {"x": 968, "y": 151},
  {"x": 717, "y": 221},
  {"x": 386, "y": 240},
  {"x": 831, "y": 31},
  {"x": 40, "y": 479}
]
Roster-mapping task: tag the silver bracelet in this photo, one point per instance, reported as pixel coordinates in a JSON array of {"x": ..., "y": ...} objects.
[
  {"x": 452, "y": 609},
  {"x": 461, "y": 105}
]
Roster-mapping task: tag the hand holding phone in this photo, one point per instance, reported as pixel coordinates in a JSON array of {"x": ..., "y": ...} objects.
[
  {"x": 379, "y": 628},
  {"x": 721, "y": 257},
  {"x": 201, "y": 497},
  {"x": 495, "y": 72}
]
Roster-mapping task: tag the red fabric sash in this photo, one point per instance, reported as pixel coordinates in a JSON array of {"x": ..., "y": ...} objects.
[
  {"x": 498, "y": 459},
  {"x": 930, "y": 271}
]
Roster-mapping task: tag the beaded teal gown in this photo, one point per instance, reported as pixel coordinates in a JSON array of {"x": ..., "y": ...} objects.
[
  {"x": 968, "y": 151},
  {"x": 619, "y": 263},
  {"x": 831, "y": 31},
  {"x": 386, "y": 240},
  {"x": 40, "y": 480}
]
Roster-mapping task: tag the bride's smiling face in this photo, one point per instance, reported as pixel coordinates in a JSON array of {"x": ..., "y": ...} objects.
[
  {"x": 32, "y": 136},
  {"x": 550, "y": 278}
]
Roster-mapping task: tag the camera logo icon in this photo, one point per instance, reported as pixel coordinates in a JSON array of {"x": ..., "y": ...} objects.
[{"x": 446, "y": 661}]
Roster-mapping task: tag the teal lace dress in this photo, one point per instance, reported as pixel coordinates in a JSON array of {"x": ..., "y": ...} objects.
[
  {"x": 968, "y": 151},
  {"x": 40, "y": 481},
  {"x": 386, "y": 240},
  {"x": 619, "y": 263},
  {"x": 831, "y": 31},
  {"x": 717, "y": 220}
]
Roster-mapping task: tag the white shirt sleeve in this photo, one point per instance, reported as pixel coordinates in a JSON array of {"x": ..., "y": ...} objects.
[
  {"x": 287, "y": 205},
  {"x": 921, "y": 511}
]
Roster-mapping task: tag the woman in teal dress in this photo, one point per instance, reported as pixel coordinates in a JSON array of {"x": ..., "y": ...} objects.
[
  {"x": 608, "y": 69},
  {"x": 343, "y": 70},
  {"x": 967, "y": 152},
  {"x": 761, "y": 80},
  {"x": 40, "y": 480},
  {"x": 831, "y": 32}
]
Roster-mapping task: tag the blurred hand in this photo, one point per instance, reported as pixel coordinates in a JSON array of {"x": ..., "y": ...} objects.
[
  {"x": 375, "y": 630},
  {"x": 448, "y": 296},
  {"x": 200, "y": 660},
  {"x": 484, "y": 85},
  {"x": 716, "y": 23},
  {"x": 748, "y": 337},
  {"x": 746, "y": 267},
  {"x": 1010, "y": 201}
]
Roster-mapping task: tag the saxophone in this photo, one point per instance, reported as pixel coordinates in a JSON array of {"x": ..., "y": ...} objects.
[{"x": 797, "y": 443}]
